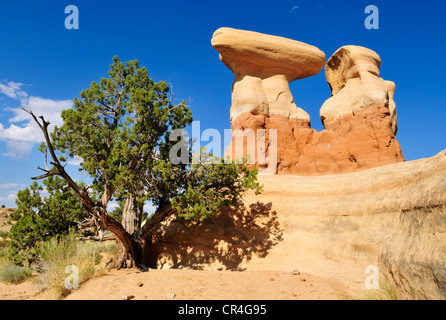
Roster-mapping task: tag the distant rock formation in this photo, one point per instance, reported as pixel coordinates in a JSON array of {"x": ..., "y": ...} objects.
[{"x": 359, "y": 119}]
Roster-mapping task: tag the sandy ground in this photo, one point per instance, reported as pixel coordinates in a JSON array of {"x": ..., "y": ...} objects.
[
  {"x": 22, "y": 291},
  {"x": 192, "y": 285},
  {"x": 187, "y": 284},
  {"x": 207, "y": 285}
]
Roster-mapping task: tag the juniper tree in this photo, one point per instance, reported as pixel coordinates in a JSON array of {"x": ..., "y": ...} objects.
[{"x": 120, "y": 128}]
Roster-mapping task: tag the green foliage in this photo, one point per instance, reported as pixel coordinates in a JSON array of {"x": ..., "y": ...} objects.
[
  {"x": 15, "y": 216},
  {"x": 14, "y": 274},
  {"x": 117, "y": 212},
  {"x": 3, "y": 234},
  {"x": 120, "y": 127},
  {"x": 4, "y": 245},
  {"x": 42, "y": 217},
  {"x": 209, "y": 186}
]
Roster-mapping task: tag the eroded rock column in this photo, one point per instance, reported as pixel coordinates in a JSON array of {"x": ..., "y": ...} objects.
[
  {"x": 263, "y": 65},
  {"x": 359, "y": 118},
  {"x": 361, "y": 114}
]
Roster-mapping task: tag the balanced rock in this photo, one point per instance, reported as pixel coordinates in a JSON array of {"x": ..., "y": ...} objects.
[
  {"x": 263, "y": 65},
  {"x": 359, "y": 119}
]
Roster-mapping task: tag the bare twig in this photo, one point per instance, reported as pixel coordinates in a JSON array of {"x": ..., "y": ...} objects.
[{"x": 48, "y": 173}]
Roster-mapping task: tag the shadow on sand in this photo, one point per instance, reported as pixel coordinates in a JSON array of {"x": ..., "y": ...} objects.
[{"x": 226, "y": 240}]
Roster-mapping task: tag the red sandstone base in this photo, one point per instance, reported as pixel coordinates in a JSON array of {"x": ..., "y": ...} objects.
[{"x": 351, "y": 143}]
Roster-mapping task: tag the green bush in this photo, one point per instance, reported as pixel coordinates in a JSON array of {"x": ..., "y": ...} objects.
[
  {"x": 4, "y": 234},
  {"x": 42, "y": 218},
  {"x": 3, "y": 251},
  {"x": 15, "y": 216},
  {"x": 14, "y": 274}
]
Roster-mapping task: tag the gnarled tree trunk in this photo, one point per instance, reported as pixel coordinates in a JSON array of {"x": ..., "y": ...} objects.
[
  {"x": 133, "y": 247},
  {"x": 131, "y": 221}
]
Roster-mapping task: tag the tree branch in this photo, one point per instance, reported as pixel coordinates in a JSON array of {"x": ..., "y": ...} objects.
[
  {"x": 43, "y": 125},
  {"x": 48, "y": 173},
  {"x": 155, "y": 220}
]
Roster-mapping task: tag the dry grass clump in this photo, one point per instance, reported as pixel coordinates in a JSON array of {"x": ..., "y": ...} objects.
[
  {"x": 66, "y": 262},
  {"x": 385, "y": 292},
  {"x": 61, "y": 258}
]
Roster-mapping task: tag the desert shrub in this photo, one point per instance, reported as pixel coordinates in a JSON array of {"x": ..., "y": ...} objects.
[
  {"x": 98, "y": 249},
  {"x": 4, "y": 244},
  {"x": 386, "y": 293},
  {"x": 12, "y": 273},
  {"x": 58, "y": 253},
  {"x": 4, "y": 234}
]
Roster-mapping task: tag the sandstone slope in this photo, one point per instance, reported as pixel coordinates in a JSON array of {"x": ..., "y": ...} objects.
[{"x": 393, "y": 217}]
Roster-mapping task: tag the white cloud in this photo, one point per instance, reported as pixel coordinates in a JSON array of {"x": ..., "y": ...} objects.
[
  {"x": 149, "y": 208},
  {"x": 13, "y": 90},
  {"x": 8, "y": 185},
  {"x": 29, "y": 133},
  {"x": 18, "y": 149},
  {"x": 50, "y": 109},
  {"x": 77, "y": 161},
  {"x": 294, "y": 8},
  {"x": 23, "y": 132},
  {"x": 9, "y": 197},
  {"x": 112, "y": 206}
]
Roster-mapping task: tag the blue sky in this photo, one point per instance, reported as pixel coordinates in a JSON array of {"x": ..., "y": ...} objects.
[{"x": 43, "y": 66}]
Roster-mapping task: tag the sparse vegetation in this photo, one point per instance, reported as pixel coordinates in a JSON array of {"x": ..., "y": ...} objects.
[
  {"x": 11, "y": 273},
  {"x": 42, "y": 218},
  {"x": 385, "y": 292},
  {"x": 60, "y": 252},
  {"x": 54, "y": 256},
  {"x": 4, "y": 234},
  {"x": 382, "y": 294}
]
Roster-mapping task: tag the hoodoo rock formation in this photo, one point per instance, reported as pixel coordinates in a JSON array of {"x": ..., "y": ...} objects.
[
  {"x": 359, "y": 119},
  {"x": 263, "y": 65}
]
